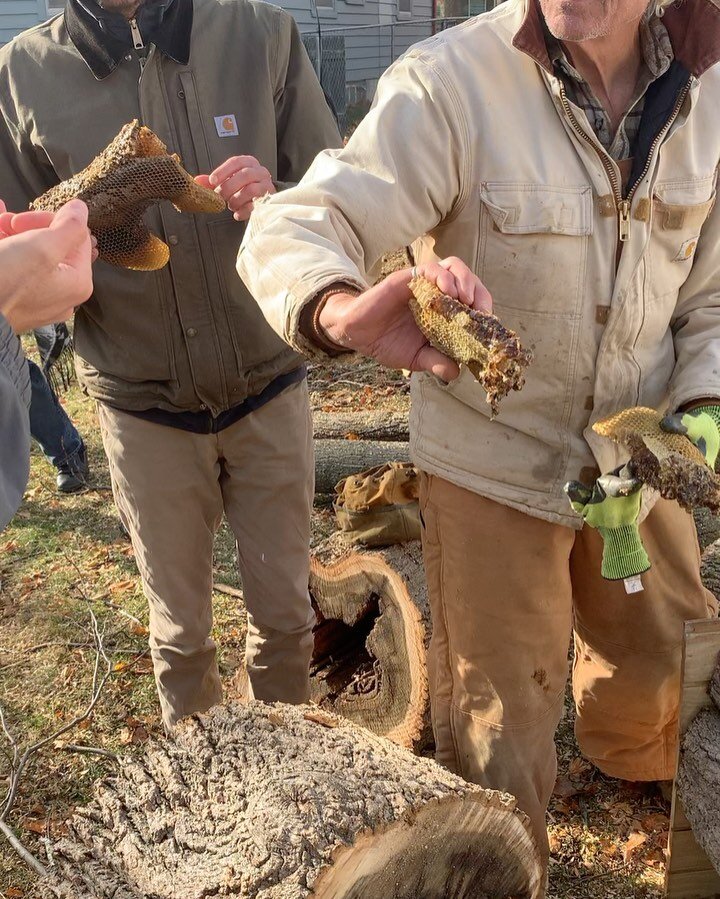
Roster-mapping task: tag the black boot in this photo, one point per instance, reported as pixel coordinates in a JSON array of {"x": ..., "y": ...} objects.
[{"x": 73, "y": 475}]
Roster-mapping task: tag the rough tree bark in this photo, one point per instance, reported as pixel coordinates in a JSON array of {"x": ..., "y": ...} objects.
[
  {"x": 336, "y": 459},
  {"x": 373, "y": 627},
  {"x": 280, "y": 802},
  {"x": 373, "y": 425},
  {"x": 698, "y": 781}
]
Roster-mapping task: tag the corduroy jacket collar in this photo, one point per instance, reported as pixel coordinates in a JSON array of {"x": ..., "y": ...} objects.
[
  {"x": 102, "y": 50},
  {"x": 694, "y": 28}
]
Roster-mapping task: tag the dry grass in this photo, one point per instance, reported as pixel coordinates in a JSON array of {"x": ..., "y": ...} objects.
[{"x": 63, "y": 556}]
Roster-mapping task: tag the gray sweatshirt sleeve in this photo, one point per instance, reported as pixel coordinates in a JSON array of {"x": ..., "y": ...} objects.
[{"x": 14, "y": 422}]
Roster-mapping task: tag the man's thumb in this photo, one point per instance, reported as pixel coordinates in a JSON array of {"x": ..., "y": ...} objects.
[{"x": 69, "y": 227}]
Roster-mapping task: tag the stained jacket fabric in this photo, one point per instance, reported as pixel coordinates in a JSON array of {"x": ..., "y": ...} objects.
[
  {"x": 14, "y": 422},
  {"x": 472, "y": 143},
  {"x": 228, "y": 77}
]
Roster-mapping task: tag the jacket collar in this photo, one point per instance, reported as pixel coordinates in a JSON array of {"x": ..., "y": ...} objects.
[
  {"x": 693, "y": 26},
  {"x": 102, "y": 48}
]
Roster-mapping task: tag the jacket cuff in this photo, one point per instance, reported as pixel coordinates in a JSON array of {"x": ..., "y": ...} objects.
[
  {"x": 711, "y": 409},
  {"x": 623, "y": 553},
  {"x": 12, "y": 359},
  {"x": 309, "y": 324}
]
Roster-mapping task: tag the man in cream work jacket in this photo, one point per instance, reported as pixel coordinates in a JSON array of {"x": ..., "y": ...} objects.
[
  {"x": 203, "y": 409},
  {"x": 561, "y": 159}
]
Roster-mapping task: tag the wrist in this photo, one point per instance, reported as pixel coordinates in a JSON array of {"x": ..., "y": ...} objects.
[
  {"x": 623, "y": 552},
  {"x": 314, "y": 329},
  {"x": 331, "y": 317}
]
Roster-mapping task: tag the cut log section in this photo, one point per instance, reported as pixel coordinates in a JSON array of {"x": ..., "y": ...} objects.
[
  {"x": 373, "y": 626},
  {"x": 390, "y": 427},
  {"x": 698, "y": 781},
  {"x": 695, "y": 816},
  {"x": 336, "y": 459},
  {"x": 280, "y": 802}
]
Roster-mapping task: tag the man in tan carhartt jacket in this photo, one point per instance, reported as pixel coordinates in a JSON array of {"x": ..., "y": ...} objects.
[
  {"x": 562, "y": 160},
  {"x": 203, "y": 409}
]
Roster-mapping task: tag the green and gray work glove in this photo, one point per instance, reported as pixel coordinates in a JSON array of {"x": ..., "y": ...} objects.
[
  {"x": 701, "y": 426},
  {"x": 612, "y": 506}
]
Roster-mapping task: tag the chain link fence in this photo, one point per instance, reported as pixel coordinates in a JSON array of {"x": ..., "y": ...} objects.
[{"x": 350, "y": 60}]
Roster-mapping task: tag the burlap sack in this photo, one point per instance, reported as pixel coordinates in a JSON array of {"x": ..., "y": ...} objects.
[{"x": 379, "y": 507}]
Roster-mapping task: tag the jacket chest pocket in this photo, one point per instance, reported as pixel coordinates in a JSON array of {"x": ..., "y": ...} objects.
[
  {"x": 532, "y": 251},
  {"x": 679, "y": 210}
]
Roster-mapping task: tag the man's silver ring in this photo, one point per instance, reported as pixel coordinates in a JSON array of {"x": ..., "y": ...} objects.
[{"x": 413, "y": 272}]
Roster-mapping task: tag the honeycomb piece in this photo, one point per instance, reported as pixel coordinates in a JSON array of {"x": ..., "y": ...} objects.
[
  {"x": 475, "y": 339},
  {"x": 134, "y": 171},
  {"x": 669, "y": 463}
]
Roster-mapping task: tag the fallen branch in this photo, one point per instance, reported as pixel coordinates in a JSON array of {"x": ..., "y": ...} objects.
[
  {"x": 90, "y": 750},
  {"x": 231, "y": 591}
]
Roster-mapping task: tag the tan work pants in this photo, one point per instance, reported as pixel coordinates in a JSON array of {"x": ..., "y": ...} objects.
[
  {"x": 506, "y": 590},
  {"x": 171, "y": 488}
]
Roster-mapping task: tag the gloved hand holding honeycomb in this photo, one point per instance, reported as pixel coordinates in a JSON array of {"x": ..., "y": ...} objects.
[
  {"x": 612, "y": 505},
  {"x": 702, "y": 428}
]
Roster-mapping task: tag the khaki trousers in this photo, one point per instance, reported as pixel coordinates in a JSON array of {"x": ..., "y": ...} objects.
[
  {"x": 506, "y": 591},
  {"x": 171, "y": 488}
]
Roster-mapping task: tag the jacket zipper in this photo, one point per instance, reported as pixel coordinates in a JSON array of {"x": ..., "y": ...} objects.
[
  {"x": 138, "y": 43},
  {"x": 623, "y": 204}
]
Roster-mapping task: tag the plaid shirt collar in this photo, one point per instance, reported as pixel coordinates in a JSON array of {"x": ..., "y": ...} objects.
[{"x": 657, "y": 57}]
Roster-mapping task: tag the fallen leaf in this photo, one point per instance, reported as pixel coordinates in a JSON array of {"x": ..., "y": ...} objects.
[
  {"x": 10, "y": 546},
  {"x": 35, "y": 826},
  {"x": 579, "y": 768},
  {"x": 324, "y": 718},
  {"x": 632, "y": 844},
  {"x": 564, "y": 789},
  {"x": 655, "y": 822},
  {"x": 121, "y": 586},
  {"x": 351, "y": 435},
  {"x": 139, "y": 630},
  {"x": 14, "y": 893}
]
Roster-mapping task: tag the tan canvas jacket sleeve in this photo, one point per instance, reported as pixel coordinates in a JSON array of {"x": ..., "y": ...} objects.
[
  {"x": 696, "y": 323},
  {"x": 402, "y": 173}
]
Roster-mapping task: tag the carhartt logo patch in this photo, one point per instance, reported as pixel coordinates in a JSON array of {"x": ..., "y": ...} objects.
[
  {"x": 226, "y": 126},
  {"x": 687, "y": 250}
]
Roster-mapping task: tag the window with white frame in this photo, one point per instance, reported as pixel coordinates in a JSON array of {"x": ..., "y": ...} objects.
[
  {"x": 325, "y": 4},
  {"x": 404, "y": 8}
]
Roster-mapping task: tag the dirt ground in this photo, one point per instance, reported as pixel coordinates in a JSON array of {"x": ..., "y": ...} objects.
[{"x": 65, "y": 556}]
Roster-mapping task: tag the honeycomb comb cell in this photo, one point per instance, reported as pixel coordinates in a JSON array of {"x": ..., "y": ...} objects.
[
  {"x": 669, "y": 463},
  {"x": 476, "y": 339},
  {"x": 131, "y": 174}
]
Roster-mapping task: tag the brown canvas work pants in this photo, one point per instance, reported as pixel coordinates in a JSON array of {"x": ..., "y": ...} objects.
[
  {"x": 506, "y": 592},
  {"x": 171, "y": 488}
]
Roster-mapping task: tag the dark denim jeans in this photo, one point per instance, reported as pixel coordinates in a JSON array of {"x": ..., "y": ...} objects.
[{"x": 50, "y": 425}]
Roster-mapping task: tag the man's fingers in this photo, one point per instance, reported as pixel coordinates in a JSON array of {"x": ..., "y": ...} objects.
[
  {"x": 30, "y": 221},
  {"x": 3, "y": 207},
  {"x": 230, "y": 166},
  {"x": 243, "y": 179},
  {"x": 203, "y": 181},
  {"x": 432, "y": 360},
  {"x": 69, "y": 228},
  {"x": 673, "y": 424},
  {"x": 248, "y": 193},
  {"x": 5, "y": 224},
  {"x": 482, "y": 300}
]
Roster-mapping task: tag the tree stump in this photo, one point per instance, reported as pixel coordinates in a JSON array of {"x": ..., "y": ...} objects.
[
  {"x": 280, "y": 802},
  {"x": 369, "y": 662},
  {"x": 335, "y": 459},
  {"x": 698, "y": 781}
]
